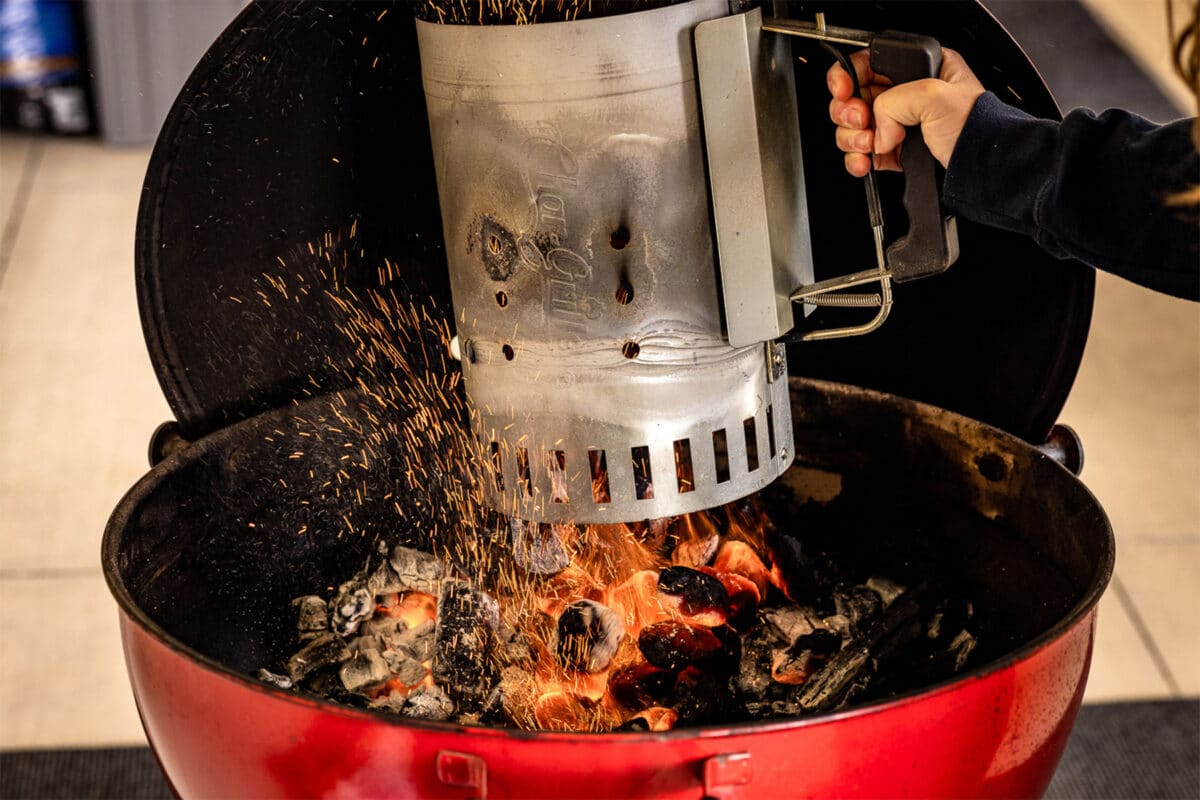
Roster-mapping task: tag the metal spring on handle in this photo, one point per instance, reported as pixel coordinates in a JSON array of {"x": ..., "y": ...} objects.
[{"x": 845, "y": 300}]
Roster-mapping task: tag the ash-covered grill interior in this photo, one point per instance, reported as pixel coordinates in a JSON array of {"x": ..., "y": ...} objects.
[
  {"x": 716, "y": 637},
  {"x": 211, "y": 553}
]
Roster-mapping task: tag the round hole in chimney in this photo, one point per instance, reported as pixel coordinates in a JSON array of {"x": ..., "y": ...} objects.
[
  {"x": 619, "y": 238},
  {"x": 501, "y": 298},
  {"x": 630, "y": 350},
  {"x": 625, "y": 292},
  {"x": 508, "y": 352}
]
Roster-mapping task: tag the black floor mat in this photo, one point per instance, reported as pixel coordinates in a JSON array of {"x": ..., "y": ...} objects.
[
  {"x": 1132, "y": 750},
  {"x": 124, "y": 773},
  {"x": 1123, "y": 751}
]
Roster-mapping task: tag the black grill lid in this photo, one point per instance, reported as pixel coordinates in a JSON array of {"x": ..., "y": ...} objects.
[{"x": 305, "y": 123}]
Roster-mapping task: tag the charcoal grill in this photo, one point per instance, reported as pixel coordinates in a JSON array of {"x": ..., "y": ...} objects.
[{"x": 288, "y": 130}]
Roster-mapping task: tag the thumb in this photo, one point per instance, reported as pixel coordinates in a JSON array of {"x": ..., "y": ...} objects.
[{"x": 901, "y": 106}]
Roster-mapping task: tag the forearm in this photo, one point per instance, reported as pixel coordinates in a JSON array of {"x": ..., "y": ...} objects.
[{"x": 1091, "y": 188}]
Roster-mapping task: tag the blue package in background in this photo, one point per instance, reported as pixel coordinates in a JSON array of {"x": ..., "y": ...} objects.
[{"x": 43, "y": 79}]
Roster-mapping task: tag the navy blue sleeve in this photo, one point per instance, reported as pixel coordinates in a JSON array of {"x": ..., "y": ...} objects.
[{"x": 1094, "y": 188}]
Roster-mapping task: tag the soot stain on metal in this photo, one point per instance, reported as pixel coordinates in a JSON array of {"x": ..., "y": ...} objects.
[{"x": 497, "y": 247}]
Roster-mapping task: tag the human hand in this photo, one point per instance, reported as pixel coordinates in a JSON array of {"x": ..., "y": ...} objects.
[{"x": 939, "y": 105}]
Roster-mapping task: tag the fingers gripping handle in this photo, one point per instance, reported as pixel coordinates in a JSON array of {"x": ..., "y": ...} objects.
[{"x": 931, "y": 244}]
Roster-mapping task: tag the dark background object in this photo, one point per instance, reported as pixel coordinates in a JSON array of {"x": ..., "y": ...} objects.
[{"x": 44, "y": 77}]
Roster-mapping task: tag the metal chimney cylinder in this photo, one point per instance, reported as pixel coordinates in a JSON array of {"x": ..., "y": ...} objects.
[{"x": 575, "y": 206}]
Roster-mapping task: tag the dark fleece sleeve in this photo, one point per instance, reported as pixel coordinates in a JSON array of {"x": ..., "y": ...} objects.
[{"x": 1091, "y": 187}]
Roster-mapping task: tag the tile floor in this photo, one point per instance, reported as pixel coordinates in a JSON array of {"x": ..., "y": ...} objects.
[{"x": 78, "y": 401}]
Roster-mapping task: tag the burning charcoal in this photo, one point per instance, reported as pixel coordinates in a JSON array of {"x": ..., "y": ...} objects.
[
  {"x": 791, "y": 622},
  {"x": 557, "y": 711},
  {"x": 322, "y": 651},
  {"x": 408, "y": 671},
  {"x": 701, "y": 697},
  {"x": 414, "y": 608},
  {"x": 858, "y": 604},
  {"x": 726, "y": 659},
  {"x": 419, "y": 643},
  {"x": 392, "y": 702},
  {"x": 675, "y": 645},
  {"x": 350, "y": 606},
  {"x": 839, "y": 624},
  {"x": 384, "y": 582},
  {"x": 753, "y": 677},
  {"x": 492, "y": 712},
  {"x": 588, "y": 636},
  {"x": 569, "y": 585},
  {"x": 739, "y": 558},
  {"x": 518, "y": 692},
  {"x": 698, "y": 596},
  {"x": 564, "y": 711},
  {"x": 634, "y": 725},
  {"x": 744, "y": 596},
  {"x": 698, "y": 540},
  {"x": 805, "y": 578},
  {"x": 428, "y": 702},
  {"x": 656, "y": 535},
  {"x": 278, "y": 681},
  {"x": 656, "y": 719},
  {"x": 512, "y": 648},
  {"x": 416, "y": 571},
  {"x": 641, "y": 685},
  {"x": 637, "y": 602},
  {"x": 312, "y": 614},
  {"x": 960, "y": 649},
  {"x": 849, "y": 671},
  {"x": 944, "y": 650},
  {"x": 364, "y": 671},
  {"x": 465, "y": 634},
  {"x": 886, "y": 589},
  {"x": 386, "y": 628},
  {"x": 803, "y": 657},
  {"x": 326, "y": 683},
  {"x": 538, "y": 548},
  {"x": 363, "y": 642},
  {"x": 951, "y": 616}
]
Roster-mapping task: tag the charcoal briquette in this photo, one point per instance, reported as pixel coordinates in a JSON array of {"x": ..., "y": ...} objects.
[
  {"x": 325, "y": 649},
  {"x": 639, "y": 686},
  {"x": 588, "y": 635},
  {"x": 674, "y": 645},
  {"x": 464, "y": 636},
  {"x": 364, "y": 671},
  {"x": 350, "y": 606},
  {"x": 697, "y": 592},
  {"x": 275, "y": 679},
  {"x": 312, "y": 613},
  {"x": 416, "y": 570},
  {"x": 428, "y": 703}
]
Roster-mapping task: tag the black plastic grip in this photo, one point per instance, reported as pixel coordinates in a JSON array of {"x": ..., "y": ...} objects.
[{"x": 931, "y": 244}]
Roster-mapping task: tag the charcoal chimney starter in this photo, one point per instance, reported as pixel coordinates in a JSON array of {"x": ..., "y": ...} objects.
[{"x": 587, "y": 300}]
